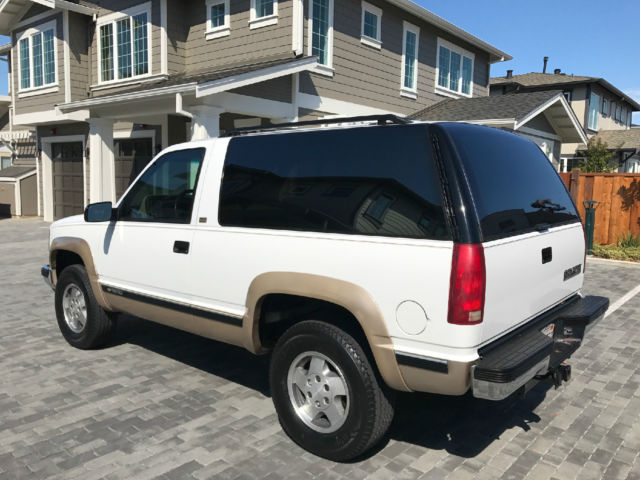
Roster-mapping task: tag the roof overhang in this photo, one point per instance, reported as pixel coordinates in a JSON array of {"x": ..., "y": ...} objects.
[
  {"x": 12, "y": 11},
  {"x": 562, "y": 118},
  {"x": 495, "y": 55},
  {"x": 198, "y": 89}
]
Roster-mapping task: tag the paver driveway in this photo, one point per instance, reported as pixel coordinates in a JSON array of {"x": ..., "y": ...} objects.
[{"x": 159, "y": 402}]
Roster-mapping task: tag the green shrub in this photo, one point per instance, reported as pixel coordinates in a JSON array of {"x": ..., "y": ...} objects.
[
  {"x": 616, "y": 252},
  {"x": 628, "y": 241}
]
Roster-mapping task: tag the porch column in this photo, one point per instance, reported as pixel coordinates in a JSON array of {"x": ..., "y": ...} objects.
[
  {"x": 205, "y": 121},
  {"x": 102, "y": 187}
]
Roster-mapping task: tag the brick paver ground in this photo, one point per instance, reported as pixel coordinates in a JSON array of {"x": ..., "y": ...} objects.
[{"x": 161, "y": 403}]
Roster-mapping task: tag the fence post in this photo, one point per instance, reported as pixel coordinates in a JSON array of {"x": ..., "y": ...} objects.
[{"x": 573, "y": 184}]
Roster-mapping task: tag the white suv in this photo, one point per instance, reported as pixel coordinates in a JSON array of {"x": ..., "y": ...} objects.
[{"x": 440, "y": 257}]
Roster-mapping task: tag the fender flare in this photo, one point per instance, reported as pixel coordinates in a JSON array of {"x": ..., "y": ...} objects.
[{"x": 347, "y": 295}]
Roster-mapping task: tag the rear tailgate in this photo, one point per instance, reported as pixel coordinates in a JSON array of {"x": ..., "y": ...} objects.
[
  {"x": 521, "y": 212},
  {"x": 526, "y": 276}
]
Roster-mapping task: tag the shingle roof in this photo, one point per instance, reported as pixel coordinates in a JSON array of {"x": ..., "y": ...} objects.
[
  {"x": 534, "y": 80},
  {"x": 625, "y": 139},
  {"x": 511, "y": 106},
  {"x": 15, "y": 171}
]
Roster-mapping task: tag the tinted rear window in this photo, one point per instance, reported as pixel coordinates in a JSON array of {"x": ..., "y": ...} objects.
[
  {"x": 514, "y": 186},
  {"x": 367, "y": 181}
]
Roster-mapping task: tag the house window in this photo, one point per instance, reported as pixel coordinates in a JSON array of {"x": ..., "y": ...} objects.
[
  {"x": 321, "y": 32},
  {"x": 409, "y": 75},
  {"x": 37, "y": 57},
  {"x": 605, "y": 107},
  {"x": 454, "y": 72},
  {"x": 371, "y": 29},
  {"x": 263, "y": 13},
  {"x": 5, "y": 162},
  {"x": 618, "y": 112},
  {"x": 217, "y": 19},
  {"x": 124, "y": 45},
  {"x": 594, "y": 108},
  {"x": 624, "y": 116}
]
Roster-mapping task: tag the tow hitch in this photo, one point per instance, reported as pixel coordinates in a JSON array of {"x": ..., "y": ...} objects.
[{"x": 557, "y": 375}]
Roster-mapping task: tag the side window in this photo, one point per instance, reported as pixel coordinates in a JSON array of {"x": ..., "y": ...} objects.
[
  {"x": 166, "y": 190},
  {"x": 364, "y": 181}
]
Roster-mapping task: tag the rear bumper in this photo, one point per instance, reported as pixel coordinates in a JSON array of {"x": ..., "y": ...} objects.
[
  {"x": 512, "y": 361},
  {"x": 45, "y": 271}
]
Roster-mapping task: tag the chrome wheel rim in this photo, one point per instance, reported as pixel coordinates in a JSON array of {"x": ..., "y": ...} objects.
[
  {"x": 74, "y": 307},
  {"x": 318, "y": 392}
]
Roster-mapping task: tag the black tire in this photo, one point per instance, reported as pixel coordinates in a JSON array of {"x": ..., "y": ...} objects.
[
  {"x": 98, "y": 325},
  {"x": 370, "y": 410}
]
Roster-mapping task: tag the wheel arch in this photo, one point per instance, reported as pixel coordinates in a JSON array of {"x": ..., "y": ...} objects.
[
  {"x": 64, "y": 251},
  {"x": 348, "y": 296}
]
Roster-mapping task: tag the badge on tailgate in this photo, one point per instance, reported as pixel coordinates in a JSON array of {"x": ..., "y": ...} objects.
[{"x": 572, "y": 272}]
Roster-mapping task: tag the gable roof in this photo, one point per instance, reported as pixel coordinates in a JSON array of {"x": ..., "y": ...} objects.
[
  {"x": 558, "y": 81},
  {"x": 513, "y": 110},
  {"x": 12, "y": 11}
]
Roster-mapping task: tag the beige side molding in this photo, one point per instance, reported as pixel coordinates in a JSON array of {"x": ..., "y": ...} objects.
[
  {"x": 347, "y": 295},
  {"x": 81, "y": 248}
]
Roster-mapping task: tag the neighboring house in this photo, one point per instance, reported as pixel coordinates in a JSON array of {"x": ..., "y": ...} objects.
[
  {"x": 543, "y": 117},
  {"x": 599, "y": 106},
  {"x": 108, "y": 84},
  {"x": 625, "y": 145},
  {"x": 18, "y": 172}
]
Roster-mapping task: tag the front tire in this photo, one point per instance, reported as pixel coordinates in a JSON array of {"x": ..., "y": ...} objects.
[
  {"x": 82, "y": 321},
  {"x": 328, "y": 397}
]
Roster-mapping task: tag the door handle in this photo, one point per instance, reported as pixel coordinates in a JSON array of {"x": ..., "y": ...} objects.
[{"x": 180, "y": 247}]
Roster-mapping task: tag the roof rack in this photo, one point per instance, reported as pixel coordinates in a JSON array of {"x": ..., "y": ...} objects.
[{"x": 380, "y": 119}]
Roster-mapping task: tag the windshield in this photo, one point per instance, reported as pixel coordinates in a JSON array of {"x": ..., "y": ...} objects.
[{"x": 514, "y": 186}]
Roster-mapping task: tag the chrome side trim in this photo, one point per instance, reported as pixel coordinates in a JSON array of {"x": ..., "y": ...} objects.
[{"x": 499, "y": 391}]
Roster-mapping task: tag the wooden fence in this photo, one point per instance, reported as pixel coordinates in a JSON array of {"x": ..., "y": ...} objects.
[{"x": 619, "y": 197}]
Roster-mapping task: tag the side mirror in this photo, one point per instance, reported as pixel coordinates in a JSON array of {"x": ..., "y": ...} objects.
[{"x": 99, "y": 212}]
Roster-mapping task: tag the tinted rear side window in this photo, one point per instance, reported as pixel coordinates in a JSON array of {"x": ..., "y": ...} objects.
[
  {"x": 514, "y": 186},
  {"x": 367, "y": 181}
]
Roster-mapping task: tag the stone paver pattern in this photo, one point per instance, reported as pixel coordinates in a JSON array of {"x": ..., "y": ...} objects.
[{"x": 160, "y": 403}]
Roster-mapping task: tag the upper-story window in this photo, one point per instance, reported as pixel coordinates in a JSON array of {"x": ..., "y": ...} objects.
[
  {"x": 217, "y": 19},
  {"x": 37, "y": 57},
  {"x": 594, "y": 108},
  {"x": 454, "y": 72},
  {"x": 371, "y": 25},
  {"x": 321, "y": 33},
  {"x": 605, "y": 107},
  {"x": 263, "y": 13},
  {"x": 618, "y": 112},
  {"x": 409, "y": 75},
  {"x": 124, "y": 44},
  {"x": 623, "y": 119}
]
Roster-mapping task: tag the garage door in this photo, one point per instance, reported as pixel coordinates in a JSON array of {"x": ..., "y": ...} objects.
[
  {"x": 131, "y": 156},
  {"x": 68, "y": 179}
]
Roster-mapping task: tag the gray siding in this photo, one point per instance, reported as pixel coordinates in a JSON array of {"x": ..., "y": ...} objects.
[
  {"x": 278, "y": 89},
  {"x": 242, "y": 44},
  {"x": 371, "y": 77},
  {"x": 106, "y": 7},
  {"x": 79, "y": 26},
  {"x": 43, "y": 102},
  {"x": 540, "y": 122},
  {"x": 177, "y": 30}
]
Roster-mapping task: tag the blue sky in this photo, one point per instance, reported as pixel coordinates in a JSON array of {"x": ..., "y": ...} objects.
[{"x": 584, "y": 37}]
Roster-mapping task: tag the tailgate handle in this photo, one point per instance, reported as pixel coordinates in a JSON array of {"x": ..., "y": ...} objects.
[
  {"x": 547, "y": 255},
  {"x": 180, "y": 247}
]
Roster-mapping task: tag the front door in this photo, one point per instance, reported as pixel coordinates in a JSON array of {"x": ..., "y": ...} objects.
[
  {"x": 131, "y": 156},
  {"x": 147, "y": 250},
  {"x": 68, "y": 179}
]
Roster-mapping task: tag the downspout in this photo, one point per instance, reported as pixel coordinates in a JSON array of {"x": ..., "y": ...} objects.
[{"x": 297, "y": 34}]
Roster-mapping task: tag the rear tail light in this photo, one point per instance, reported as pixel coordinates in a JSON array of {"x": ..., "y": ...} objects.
[{"x": 468, "y": 279}]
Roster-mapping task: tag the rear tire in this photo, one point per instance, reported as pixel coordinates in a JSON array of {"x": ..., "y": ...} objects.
[
  {"x": 82, "y": 321},
  {"x": 327, "y": 395}
]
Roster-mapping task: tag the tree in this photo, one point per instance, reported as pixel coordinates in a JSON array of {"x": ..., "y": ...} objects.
[{"x": 598, "y": 157}]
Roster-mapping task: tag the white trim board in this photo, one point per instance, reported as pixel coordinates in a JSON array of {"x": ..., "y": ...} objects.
[
  {"x": 257, "y": 76},
  {"x": 339, "y": 107}
]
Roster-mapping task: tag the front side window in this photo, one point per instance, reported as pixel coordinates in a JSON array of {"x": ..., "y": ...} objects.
[
  {"x": 594, "y": 108},
  {"x": 321, "y": 30},
  {"x": 165, "y": 191},
  {"x": 618, "y": 112},
  {"x": 455, "y": 69},
  {"x": 124, "y": 47},
  {"x": 410, "y": 60},
  {"x": 263, "y": 13},
  {"x": 371, "y": 29},
  {"x": 217, "y": 18},
  {"x": 624, "y": 116},
  {"x": 37, "y": 57},
  {"x": 359, "y": 181},
  {"x": 605, "y": 107}
]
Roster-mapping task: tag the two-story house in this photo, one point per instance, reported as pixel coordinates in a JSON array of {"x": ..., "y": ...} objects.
[
  {"x": 109, "y": 83},
  {"x": 602, "y": 109}
]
